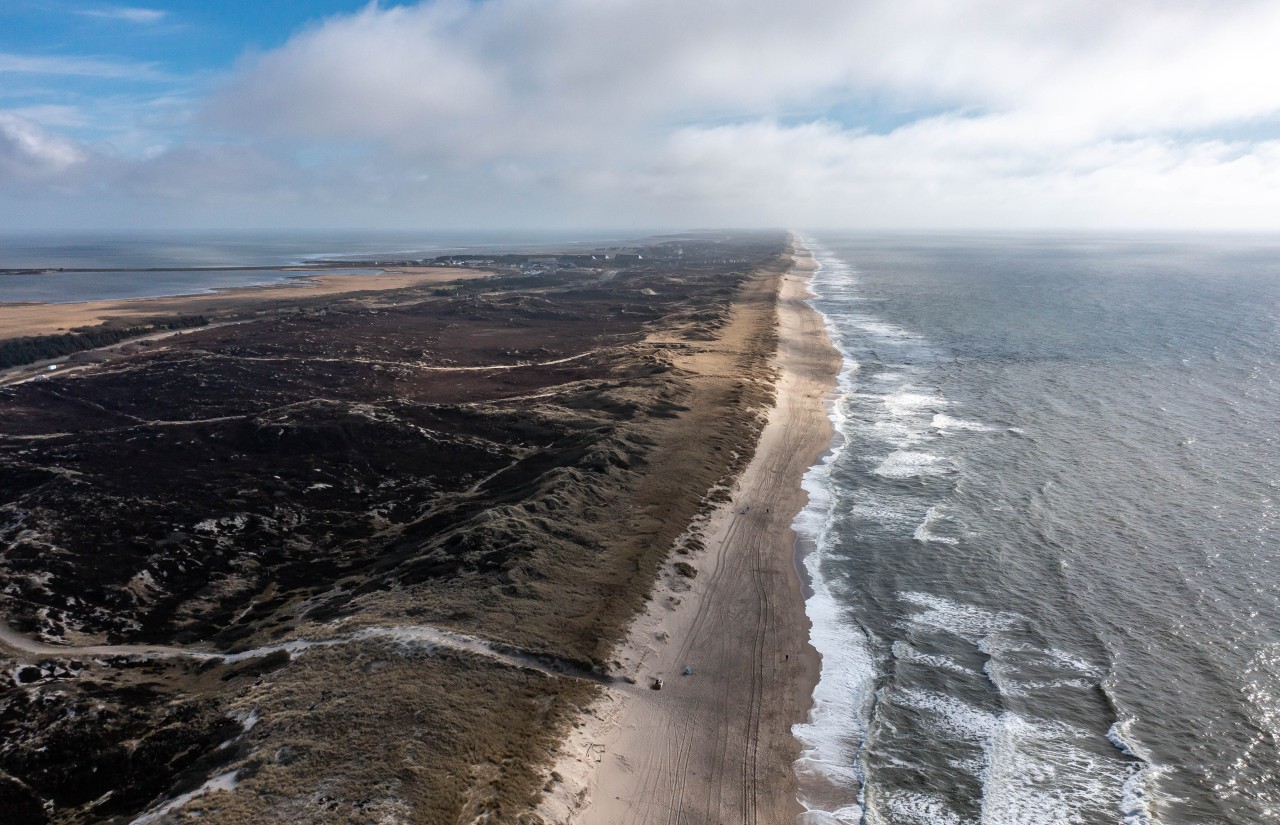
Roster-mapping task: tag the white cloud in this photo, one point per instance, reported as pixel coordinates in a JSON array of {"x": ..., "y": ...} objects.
[
  {"x": 76, "y": 66},
  {"x": 50, "y": 114},
  {"x": 821, "y": 175},
  {"x": 1038, "y": 107},
  {"x": 30, "y": 153},
  {"x": 212, "y": 172},
  {"x": 1058, "y": 112},
  {"x": 566, "y": 65},
  {"x": 129, "y": 14}
]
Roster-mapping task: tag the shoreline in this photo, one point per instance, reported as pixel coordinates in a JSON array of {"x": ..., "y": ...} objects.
[
  {"x": 717, "y": 744},
  {"x": 29, "y": 318}
]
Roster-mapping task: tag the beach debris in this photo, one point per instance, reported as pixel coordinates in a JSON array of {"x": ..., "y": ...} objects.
[
  {"x": 688, "y": 670},
  {"x": 657, "y": 683}
]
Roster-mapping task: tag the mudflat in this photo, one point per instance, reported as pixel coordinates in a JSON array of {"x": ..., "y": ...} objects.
[{"x": 366, "y": 555}]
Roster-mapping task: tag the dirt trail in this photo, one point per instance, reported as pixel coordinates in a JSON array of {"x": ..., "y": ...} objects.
[
  {"x": 12, "y": 639},
  {"x": 417, "y": 635},
  {"x": 716, "y": 745}
]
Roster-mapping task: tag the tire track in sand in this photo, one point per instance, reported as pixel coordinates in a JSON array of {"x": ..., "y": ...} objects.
[{"x": 716, "y": 746}]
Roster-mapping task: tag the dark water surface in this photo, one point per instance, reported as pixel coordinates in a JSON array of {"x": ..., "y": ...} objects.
[
  {"x": 1046, "y": 584},
  {"x": 167, "y": 252},
  {"x": 115, "y": 250},
  {"x": 71, "y": 287}
]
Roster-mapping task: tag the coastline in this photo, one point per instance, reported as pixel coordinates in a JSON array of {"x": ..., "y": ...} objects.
[
  {"x": 717, "y": 744},
  {"x": 38, "y": 318}
]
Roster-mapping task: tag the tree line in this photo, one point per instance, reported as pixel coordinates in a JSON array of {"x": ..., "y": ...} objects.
[{"x": 18, "y": 351}]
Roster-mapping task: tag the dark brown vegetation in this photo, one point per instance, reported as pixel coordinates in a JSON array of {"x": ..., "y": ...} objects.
[
  {"x": 14, "y": 351},
  {"x": 510, "y": 459}
]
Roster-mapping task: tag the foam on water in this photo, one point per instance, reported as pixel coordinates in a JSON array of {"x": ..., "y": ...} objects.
[
  {"x": 1135, "y": 807},
  {"x": 880, "y": 329},
  {"x": 880, "y": 510},
  {"x": 946, "y": 423},
  {"x": 828, "y": 769},
  {"x": 829, "y": 776},
  {"x": 1055, "y": 520},
  {"x": 1044, "y": 774},
  {"x": 905, "y": 652},
  {"x": 974, "y": 624},
  {"x": 1072, "y": 662},
  {"x": 926, "y": 531},
  {"x": 910, "y": 401},
  {"x": 912, "y": 464},
  {"x": 1030, "y": 770},
  {"x": 901, "y": 434},
  {"x": 949, "y": 716},
  {"x": 902, "y": 415},
  {"x": 907, "y": 807}
]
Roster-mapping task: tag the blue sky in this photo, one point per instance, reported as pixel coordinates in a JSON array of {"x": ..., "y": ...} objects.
[
  {"x": 564, "y": 113},
  {"x": 188, "y": 37},
  {"x": 102, "y": 56}
]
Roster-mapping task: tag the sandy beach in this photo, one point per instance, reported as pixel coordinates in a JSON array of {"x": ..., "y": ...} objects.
[
  {"x": 715, "y": 745},
  {"x": 20, "y": 319}
]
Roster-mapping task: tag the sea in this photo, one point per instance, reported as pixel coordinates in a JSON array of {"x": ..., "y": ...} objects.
[
  {"x": 1043, "y": 561},
  {"x": 154, "y": 264},
  {"x": 1044, "y": 567}
]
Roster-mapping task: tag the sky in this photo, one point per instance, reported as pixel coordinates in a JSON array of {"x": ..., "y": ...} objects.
[{"x": 851, "y": 114}]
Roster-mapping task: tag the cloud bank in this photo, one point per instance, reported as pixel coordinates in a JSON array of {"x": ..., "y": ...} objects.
[{"x": 910, "y": 113}]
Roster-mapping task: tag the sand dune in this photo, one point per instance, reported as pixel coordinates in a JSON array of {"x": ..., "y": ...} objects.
[{"x": 716, "y": 745}]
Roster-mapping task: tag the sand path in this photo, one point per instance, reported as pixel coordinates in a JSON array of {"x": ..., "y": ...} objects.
[
  {"x": 411, "y": 635},
  {"x": 716, "y": 746}
]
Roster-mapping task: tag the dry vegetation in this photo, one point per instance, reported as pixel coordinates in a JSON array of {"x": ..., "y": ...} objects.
[{"x": 512, "y": 459}]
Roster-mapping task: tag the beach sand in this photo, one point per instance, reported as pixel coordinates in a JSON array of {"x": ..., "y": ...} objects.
[
  {"x": 716, "y": 745},
  {"x": 22, "y": 319}
]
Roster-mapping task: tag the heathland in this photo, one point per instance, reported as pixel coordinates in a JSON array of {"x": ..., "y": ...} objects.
[{"x": 365, "y": 554}]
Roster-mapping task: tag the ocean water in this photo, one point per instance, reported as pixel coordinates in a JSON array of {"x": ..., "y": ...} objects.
[
  {"x": 1046, "y": 575},
  {"x": 113, "y": 250},
  {"x": 72, "y": 287},
  {"x": 149, "y": 264}
]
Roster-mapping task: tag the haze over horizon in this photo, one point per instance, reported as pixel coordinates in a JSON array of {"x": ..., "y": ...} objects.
[{"x": 569, "y": 113}]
